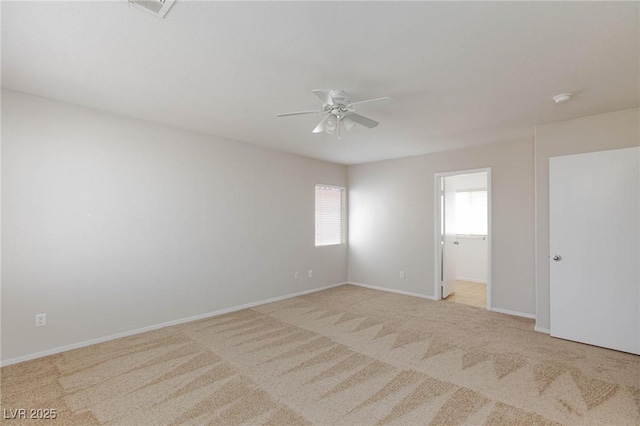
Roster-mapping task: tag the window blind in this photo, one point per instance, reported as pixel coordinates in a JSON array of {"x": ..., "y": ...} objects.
[{"x": 330, "y": 215}]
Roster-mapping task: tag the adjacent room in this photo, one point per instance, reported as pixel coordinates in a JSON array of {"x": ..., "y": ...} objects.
[
  {"x": 320, "y": 213},
  {"x": 464, "y": 230}
]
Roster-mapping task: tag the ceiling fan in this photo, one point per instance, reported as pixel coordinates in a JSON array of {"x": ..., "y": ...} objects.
[{"x": 339, "y": 112}]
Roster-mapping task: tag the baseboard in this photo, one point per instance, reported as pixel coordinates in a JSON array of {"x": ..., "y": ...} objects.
[
  {"x": 471, "y": 280},
  {"x": 392, "y": 290},
  {"x": 161, "y": 325},
  {"x": 542, "y": 330},
  {"x": 515, "y": 313},
  {"x": 423, "y": 296}
]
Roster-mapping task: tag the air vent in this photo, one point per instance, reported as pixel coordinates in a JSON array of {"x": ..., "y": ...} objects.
[{"x": 157, "y": 8}]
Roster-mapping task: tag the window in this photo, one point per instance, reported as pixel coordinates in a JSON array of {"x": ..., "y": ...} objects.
[
  {"x": 330, "y": 215},
  {"x": 471, "y": 212}
]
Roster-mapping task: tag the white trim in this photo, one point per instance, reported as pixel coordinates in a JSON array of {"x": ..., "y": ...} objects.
[
  {"x": 424, "y": 296},
  {"x": 489, "y": 237},
  {"x": 515, "y": 313},
  {"x": 437, "y": 249},
  {"x": 465, "y": 172},
  {"x": 536, "y": 243},
  {"x": 158, "y": 326},
  {"x": 437, "y": 246},
  {"x": 542, "y": 330},
  {"x": 471, "y": 280},
  {"x": 471, "y": 236},
  {"x": 392, "y": 290},
  {"x": 471, "y": 190}
]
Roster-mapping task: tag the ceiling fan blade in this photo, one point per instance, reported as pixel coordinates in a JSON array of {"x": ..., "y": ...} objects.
[
  {"x": 286, "y": 114},
  {"x": 324, "y": 96},
  {"x": 384, "y": 98},
  {"x": 320, "y": 127},
  {"x": 348, "y": 123},
  {"x": 366, "y": 122}
]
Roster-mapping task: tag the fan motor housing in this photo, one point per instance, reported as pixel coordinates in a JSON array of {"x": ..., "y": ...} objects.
[{"x": 339, "y": 96}]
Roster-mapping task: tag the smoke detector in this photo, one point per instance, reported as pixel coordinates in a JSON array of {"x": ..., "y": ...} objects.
[
  {"x": 158, "y": 8},
  {"x": 563, "y": 97}
]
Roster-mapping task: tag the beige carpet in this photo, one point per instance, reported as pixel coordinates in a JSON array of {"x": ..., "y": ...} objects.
[{"x": 338, "y": 357}]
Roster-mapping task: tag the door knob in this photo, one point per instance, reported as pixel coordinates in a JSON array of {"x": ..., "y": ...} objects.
[
  {"x": 556, "y": 257},
  {"x": 456, "y": 243}
]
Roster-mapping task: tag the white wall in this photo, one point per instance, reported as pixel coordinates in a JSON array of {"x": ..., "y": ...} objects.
[
  {"x": 588, "y": 134},
  {"x": 471, "y": 256},
  {"x": 471, "y": 261},
  {"x": 392, "y": 221},
  {"x": 112, "y": 224}
]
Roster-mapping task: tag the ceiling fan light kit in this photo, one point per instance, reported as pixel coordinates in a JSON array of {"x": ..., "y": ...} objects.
[{"x": 339, "y": 112}]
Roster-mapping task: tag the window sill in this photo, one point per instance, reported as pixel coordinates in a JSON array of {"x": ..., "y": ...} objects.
[{"x": 471, "y": 236}]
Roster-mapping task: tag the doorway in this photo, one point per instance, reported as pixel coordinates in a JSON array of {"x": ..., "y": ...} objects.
[{"x": 463, "y": 237}]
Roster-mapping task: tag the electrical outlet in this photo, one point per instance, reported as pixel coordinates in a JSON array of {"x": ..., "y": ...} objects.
[
  {"x": 310, "y": 273},
  {"x": 41, "y": 319},
  {"x": 402, "y": 274},
  {"x": 296, "y": 275}
]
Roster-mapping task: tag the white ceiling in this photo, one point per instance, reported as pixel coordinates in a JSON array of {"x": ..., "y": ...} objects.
[{"x": 459, "y": 73}]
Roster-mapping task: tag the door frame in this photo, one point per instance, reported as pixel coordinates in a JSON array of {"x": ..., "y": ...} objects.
[{"x": 438, "y": 177}]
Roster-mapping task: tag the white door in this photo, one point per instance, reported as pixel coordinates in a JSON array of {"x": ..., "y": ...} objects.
[
  {"x": 595, "y": 248},
  {"x": 449, "y": 242}
]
